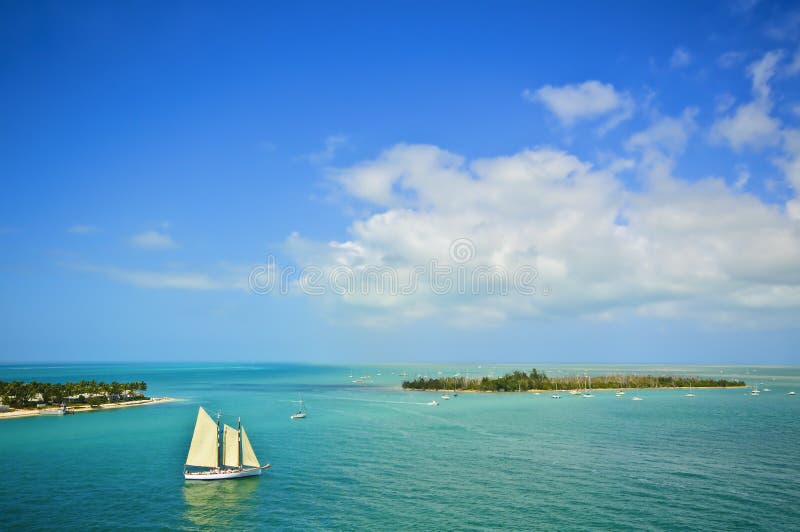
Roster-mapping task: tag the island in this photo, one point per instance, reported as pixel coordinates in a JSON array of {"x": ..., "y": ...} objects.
[
  {"x": 22, "y": 399},
  {"x": 520, "y": 381}
]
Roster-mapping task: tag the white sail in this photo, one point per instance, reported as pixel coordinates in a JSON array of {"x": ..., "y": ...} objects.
[
  {"x": 203, "y": 451},
  {"x": 248, "y": 455},
  {"x": 230, "y": 447}
]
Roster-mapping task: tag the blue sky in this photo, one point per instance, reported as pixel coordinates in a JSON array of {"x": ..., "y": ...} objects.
[{"x": 644, "y": 158}]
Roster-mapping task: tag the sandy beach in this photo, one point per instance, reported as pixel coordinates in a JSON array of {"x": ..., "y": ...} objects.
[{"x": 27, "y": 412}]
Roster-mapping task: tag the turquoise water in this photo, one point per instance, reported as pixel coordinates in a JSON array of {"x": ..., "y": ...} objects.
[{"x": 372, "y": 456}]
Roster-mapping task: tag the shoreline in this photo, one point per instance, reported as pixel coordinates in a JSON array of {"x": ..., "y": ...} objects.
[
  {"x": 86, "y": 408},
  {"x": 580, "y": 391}
]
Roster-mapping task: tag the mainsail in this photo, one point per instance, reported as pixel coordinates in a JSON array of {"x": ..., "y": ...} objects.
[
  {"x": 204, "y": 449},
  {"x": 230, "y": 447},
  {"x": 248, "y": 455}
]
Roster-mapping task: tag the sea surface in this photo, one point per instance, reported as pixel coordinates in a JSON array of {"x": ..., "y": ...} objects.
[{"x": 371, "y": 456}]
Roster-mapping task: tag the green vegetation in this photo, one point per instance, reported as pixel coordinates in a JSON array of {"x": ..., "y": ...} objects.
[
  {"x": 20, "y": 394},
  {"x": 537, "y": 380}
]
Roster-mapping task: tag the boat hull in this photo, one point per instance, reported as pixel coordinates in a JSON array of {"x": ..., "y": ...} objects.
[{"x": 224, "y": 474}]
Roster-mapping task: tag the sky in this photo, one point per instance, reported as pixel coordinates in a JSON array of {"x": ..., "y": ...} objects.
[{"x": 164, "y": 166}]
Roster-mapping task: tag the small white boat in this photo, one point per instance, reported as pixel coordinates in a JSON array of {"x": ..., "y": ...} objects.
[
  {"x": 216, "y": 454},
  {"x": 58, "y": 411},
  {"x": 301, "y": 413},
  {"x": 556, "y": 396},
  {"x": 433, "y": 403},
  {"x": 619, "y": 393},
  {"x": 690, "y": 394},
  {"x": 755, "y": 391},
  {"x": 588, "y": 391},
  {"x": 445, "y": 397},
  {"x": 766, "y": 390},
  {"x": 792, "y": 393},
  {"x": 636, "y": 398}
]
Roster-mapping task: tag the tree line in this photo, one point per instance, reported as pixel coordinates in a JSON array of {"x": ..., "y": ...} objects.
[
  {"x": 20, "y": 394},
  {"x": 538, "y": 380}
]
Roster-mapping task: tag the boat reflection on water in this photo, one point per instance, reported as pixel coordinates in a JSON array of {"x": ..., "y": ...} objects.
[{"x": 219, "y": 505}]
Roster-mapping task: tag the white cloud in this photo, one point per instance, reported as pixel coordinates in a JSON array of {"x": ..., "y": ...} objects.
[
  {"x": 266, "y": 146},
  {"x": 332, "y": 145},
  {"x": 80, "y": 229},
  {"x": 789, "y": 161},
  {"x": 731, "y": 59},
  {"x": 723, "y": 103},
  {"x": 695, "y": 249},
  {"x": 225, "y": 277},
  {"x": 742, "y": 176},
  {"x": 680, "y": 58},
  {"x": 751, "y": 124},
  {"x": 661, "y": 142},
  {"x": 152, "y": 240},
  {"x": 785, "y": 27},
  {"x": 585, "y": 101},
  {"x": 762, "y": 71},
  {"x": 794, "y": 66}
]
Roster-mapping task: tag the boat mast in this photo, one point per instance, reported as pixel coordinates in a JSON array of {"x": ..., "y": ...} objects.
[
  {"x": 239, "y": 430},
  {"x": 220, "y": 458}
]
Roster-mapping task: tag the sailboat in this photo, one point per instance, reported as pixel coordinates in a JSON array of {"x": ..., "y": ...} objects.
[
  {"x": 218, "y": 453},
  {"x": 588, "y": 392},
  {"x": 690, "y": 394},
  {"x": 301, "y": 413}
]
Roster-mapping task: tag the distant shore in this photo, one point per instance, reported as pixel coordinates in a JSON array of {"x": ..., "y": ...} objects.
[
  {"x": 30, "y": 412},
  {"x": 450, "y": 390}
]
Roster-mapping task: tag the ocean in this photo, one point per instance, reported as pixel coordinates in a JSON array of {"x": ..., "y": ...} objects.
[{"x": 372, "y": 456}]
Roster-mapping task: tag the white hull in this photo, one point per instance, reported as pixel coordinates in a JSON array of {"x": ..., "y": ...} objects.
[
  {"x": 298, "y": 416},
  {"x": 223, "y": 474}
]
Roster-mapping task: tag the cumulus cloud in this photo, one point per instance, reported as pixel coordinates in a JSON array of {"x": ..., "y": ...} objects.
[
  {"x": 152, "y": 240},
  {"x": 680, "y": 58},
  {"x": 585, "y": 101},
  {"x": 751, "y": 124},
  {"x": 661, "y": 142},
  {"x": 686, "y": 249}
]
